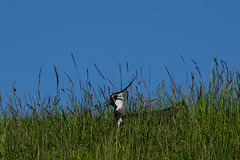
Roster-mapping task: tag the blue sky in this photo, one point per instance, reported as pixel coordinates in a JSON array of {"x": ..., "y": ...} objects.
[{"x": 35, "y": 34}]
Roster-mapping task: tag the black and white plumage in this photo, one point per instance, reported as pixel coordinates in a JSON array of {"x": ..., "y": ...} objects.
[{"x": 117, "y": 100}]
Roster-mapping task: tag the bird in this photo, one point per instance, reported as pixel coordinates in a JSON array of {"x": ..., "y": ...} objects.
[{"x": 117, "y": 100}]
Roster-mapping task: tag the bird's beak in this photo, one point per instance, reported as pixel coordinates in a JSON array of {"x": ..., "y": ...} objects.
[{"x": 108, "y": 102}]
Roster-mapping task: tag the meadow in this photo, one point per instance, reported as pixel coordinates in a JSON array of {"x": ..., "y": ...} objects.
[{"x": 200, "y": 120}]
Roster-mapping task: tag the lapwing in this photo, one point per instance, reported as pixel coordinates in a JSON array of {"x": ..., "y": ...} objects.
[{"x": 117, "y": 100}]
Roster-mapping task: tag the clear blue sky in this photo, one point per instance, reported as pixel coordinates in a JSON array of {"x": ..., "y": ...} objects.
[{"x": 153, "y": 33}]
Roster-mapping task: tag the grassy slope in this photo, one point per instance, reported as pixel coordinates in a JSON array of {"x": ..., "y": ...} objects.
[{"x": 203, "y": 123}]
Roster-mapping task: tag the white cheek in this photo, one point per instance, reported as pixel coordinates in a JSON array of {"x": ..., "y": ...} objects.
[{"x": 119, "y": 104}]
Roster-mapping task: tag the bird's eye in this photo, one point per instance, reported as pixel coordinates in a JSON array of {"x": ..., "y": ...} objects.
[{"x": 115, "y": 96}]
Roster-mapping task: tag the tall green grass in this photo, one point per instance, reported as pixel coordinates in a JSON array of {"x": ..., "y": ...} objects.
[{"x": 202, "y": 120}]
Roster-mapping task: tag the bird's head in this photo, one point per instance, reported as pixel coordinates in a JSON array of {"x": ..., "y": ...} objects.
[{"x": 117, "y": 99}]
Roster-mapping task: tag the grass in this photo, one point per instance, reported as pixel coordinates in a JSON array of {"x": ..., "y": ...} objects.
[{"x": 202, "y": 122}]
